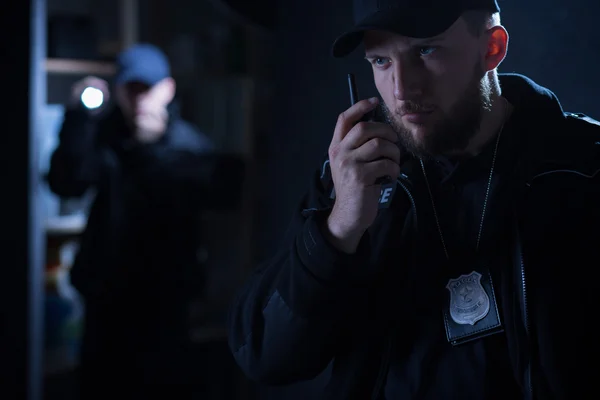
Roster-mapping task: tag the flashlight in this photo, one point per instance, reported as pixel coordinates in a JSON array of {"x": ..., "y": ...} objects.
[{"x": 92, "y": 97}]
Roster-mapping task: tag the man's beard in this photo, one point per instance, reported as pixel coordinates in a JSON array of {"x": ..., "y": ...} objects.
[{"x": 454, "y": 130}]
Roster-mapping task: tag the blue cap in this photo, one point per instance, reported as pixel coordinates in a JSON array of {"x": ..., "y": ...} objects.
[{"x": 143, "y": 63}]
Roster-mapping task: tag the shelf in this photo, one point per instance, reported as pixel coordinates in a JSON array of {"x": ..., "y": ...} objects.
[
  {"x": 79, "y": 67},
  {"x": 65, "y": 225}
]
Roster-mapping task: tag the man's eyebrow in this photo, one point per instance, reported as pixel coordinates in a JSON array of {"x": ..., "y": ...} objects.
[
  {"x": 372, "y": 55},
  {"x": 414, "y": 43},
  {"x": 428, "y": 41}
]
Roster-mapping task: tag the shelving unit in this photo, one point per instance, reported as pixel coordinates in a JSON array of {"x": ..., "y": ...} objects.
[
  {"x": 65, "y": 230},
  {"x": 79, "y": 67},
  {"x": 65, "y": 225},
  {"x": 63, "y": 72},
  {"x": 128, "y": 19}
]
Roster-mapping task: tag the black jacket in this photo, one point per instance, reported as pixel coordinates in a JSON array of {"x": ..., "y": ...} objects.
[
  {"x": 310, "y": 305},
  {"x": 144, "y": 228}
]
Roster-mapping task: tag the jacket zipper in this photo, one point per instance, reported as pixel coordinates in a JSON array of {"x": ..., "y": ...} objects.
[
  {"x": 526, "y": 323},
  {"x": 528, "y": 375},
  {"x": 387, "y": 355},
  {"x": 410, "y": 197}
]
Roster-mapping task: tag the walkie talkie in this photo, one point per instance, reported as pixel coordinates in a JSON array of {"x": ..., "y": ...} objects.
[{"x": 370, "y": 116}]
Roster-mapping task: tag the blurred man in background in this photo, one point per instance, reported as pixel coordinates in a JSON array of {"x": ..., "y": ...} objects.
[{"x": 150, "y": 171}]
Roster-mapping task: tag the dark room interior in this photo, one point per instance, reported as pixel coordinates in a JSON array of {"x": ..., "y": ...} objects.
[{"x": 258, "y": 78}]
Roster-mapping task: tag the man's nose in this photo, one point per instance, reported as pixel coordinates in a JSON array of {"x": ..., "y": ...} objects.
[{"x": 407, "y": 81}]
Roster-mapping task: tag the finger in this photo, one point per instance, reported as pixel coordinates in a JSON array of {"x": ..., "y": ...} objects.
[
  {"x": 373, "y": 170},
  {"x": 103, "y": 87},
  {"x": 365, "y": 131},
  {"x": 351, "y": 116},
  {"x": 376, "y": 149},
  {"x": 95, "y": 81}
]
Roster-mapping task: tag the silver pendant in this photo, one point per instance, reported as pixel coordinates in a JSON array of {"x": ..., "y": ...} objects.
[{"x": 469, "y": 302}]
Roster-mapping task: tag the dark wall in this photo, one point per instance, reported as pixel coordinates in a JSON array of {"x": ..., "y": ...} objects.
[
  {"x": 551, "y": 41},
  {"x": 556, "y": 43}
]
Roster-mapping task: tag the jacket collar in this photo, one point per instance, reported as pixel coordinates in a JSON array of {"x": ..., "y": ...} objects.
[{"x": 544, "y": 137}]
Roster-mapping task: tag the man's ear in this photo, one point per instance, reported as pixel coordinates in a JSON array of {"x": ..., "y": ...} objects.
[{"x": 496, "y": 47}]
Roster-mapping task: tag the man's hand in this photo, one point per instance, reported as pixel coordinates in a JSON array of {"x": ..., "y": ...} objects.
[{"x": 359, "y": 153}]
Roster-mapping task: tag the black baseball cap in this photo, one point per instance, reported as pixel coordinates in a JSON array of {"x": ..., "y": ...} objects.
[
  {"x": 412, "y": 18},
  {"x": 143, "y": 63}
]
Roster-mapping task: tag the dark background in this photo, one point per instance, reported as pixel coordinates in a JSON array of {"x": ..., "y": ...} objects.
[{"x": 302, "y": 90}]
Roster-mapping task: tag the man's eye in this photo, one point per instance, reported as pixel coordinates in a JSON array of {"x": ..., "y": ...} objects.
[
  {"x": 425, "y": 51},
  {"x": 380, "y": 61}
]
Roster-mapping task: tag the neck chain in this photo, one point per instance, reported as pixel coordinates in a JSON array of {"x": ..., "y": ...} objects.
[{"x": 485, "y": 201}]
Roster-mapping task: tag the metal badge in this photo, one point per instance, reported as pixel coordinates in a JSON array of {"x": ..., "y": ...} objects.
[{"x": 469, "y": 302}]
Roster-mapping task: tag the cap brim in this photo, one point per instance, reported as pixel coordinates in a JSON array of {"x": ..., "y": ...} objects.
[
  {"x": 135, "y": 76},
  {"x": 415, "y": 24}
]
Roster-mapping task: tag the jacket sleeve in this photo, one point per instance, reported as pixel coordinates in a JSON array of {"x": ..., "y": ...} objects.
[
  {"x": 284, "y": 324},
  {"x": 75, "y": 163}
]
